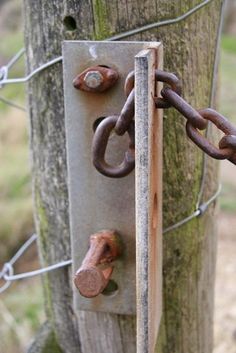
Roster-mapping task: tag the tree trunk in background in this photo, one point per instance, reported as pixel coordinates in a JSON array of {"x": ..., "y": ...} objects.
[{"x": 189, "y": 252}]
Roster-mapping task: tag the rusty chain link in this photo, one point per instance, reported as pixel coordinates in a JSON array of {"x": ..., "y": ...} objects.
[
  {"x": 127, "y": 113},
  {"x": 99, "y": 146},
  {"x": 170, "y": 97},
  {"x": 198, "y": 120},
  {"x": 225, "y": 151}
]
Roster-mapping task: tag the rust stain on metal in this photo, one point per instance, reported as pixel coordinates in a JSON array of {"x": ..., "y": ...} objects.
[
  {"x": 94, "y": 274},
  {"x": 96, "y": 79}
]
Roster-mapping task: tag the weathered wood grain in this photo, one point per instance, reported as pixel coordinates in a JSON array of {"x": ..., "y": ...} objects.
[{"x": 189, "y": 252}]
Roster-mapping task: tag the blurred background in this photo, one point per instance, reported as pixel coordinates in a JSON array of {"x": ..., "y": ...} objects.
[{"x": 21, "y": 306}]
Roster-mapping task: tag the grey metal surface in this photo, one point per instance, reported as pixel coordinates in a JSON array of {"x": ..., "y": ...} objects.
[
  {"x": 97, "y": 202},
  {"x": 148, "y": 135}
]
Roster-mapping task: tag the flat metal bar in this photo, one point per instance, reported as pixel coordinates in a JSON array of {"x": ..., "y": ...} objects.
[{"x": 148, "y": 154}]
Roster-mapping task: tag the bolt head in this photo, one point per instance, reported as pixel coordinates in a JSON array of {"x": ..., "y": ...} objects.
[
  {"x": 90, "y": 282},
  {"x": 93, "y": 79},
  {"x": 96, "y": 79}
]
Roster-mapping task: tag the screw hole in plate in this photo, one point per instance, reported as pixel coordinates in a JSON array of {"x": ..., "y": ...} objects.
[
  {"x": 97, "y": 122},
  {"x": 111, "y": 288}
]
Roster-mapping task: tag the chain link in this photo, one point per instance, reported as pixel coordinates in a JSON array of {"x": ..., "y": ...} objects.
[
  {"x": 191, "y": 114},
  {"x": 198, "y": 120},
  {"x": 99, "y": 146},
  {"x": 170, "y": 97},
  {"x": 125, "y": 123},
  {"x": 224, "y": 152}
]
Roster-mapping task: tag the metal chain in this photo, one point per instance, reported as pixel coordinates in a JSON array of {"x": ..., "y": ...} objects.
[
  {"x": 125, "y": 123},
  {"x": 198, "y": 120},
  {"x": 170, "y": 97}
]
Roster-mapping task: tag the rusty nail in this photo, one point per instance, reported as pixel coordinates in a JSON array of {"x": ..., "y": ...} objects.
[
  {"x": 96, "y": 79},
  {"x": 94, "y": 274}
]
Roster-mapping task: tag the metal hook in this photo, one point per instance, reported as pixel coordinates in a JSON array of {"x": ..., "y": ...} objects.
[{"x": 99, "y": 146}]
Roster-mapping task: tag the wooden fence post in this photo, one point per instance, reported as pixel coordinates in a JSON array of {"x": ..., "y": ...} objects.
[{"x": 189, "y": 251}]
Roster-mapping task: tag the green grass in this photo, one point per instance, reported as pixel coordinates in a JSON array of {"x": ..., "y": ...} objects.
[
  {"x": 228, "y": 44},
  {"x": 15, "y": 177},
  {"x": 227, "y": 199},
  {"x": 227, "y": 81},
  {"x": 227, "y": 99},
  {"x": 15, "y": 182},
  {"x": 30, "y": 305},
  {"x": 228, "y": 204},
  {"x": 11, "y": 44},
  {"x": 21, "y": 315}
]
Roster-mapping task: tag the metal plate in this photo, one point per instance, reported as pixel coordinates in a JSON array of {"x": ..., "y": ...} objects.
[
  {"x": 97, "y": 202},
  {"x": 148, "y": 155}
]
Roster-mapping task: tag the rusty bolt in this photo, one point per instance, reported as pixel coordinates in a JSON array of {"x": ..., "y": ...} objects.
[
  {"x": 94, "y": 274},
  {"x": 93, "y": 79},
  {"x": 96, "y": 79}
]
